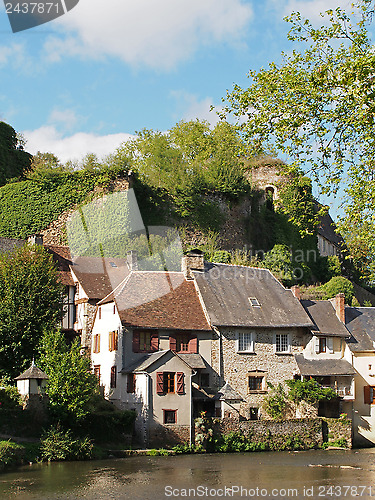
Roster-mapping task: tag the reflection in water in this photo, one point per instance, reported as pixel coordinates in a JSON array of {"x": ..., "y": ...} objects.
[{"x": 146, "y": 478}]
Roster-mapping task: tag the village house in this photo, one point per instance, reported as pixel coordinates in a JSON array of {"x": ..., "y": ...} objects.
[{"x": 151, "y": 347}]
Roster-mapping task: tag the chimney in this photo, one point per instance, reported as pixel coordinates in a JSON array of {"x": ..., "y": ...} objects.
[
  {"x": 296, "y": 291},
  {"x": 192, "y": 261},
  {"x": 35, "y": 239},
  {"x": 132, "y": 260},
  {"x": 339, "y": 305}
]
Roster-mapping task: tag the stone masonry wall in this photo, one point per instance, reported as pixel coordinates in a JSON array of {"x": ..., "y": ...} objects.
[
  {"x": 168, "y": 435},
  {"x": 335, "y": 429},
  {"x": 237, "y": 366}
]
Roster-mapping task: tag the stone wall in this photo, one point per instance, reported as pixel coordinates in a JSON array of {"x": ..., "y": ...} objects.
[
  {"x": 336, "y": 429},
  {"x": 308, "y": 431},
  {"x": 168, "y": 435}
]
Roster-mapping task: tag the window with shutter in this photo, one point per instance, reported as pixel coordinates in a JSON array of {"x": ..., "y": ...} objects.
[
  {"x": 100, "y": 312},
  {"x": 330, "y": 345},
  {"x": 369, "y": 394},
  {"x": 154, "y": 342},
  {"x": 113, "y": 377},
  {"x": 168, "y": 382},
  {"x": 136, "y": 341},
  {"x": 113, "y": 341},
  {"x": 96, "y": 344},
  {"x": 180, "y": 383},
  {"x": 193, "y": 345},
  {"x": 145, "y": 341},
  {"x": 131, "y": 383},
  {"x": 160, "y": 383},
  {"x": 172, "y": 343}
]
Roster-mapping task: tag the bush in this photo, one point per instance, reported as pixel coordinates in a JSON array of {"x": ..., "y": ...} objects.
[
  {"x": 339, "y": 284},
  {"x": 60, "y": 444},
  {"x": 309, "y": 391},
  {"x": 11, "y": 453},
  {"x": 109, "y": 425},
  {"x": 9, "y": 396},
  {"x": 275, "y": 402}
]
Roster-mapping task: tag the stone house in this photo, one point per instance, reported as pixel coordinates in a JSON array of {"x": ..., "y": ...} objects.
[
  {"x": 360, "y": 321},
  {"x": 259, "y": 327},
  {"x": 151, "y": 349}
]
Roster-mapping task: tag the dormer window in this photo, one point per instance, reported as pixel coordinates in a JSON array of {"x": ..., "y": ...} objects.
[{"x": 254, "y": 302}]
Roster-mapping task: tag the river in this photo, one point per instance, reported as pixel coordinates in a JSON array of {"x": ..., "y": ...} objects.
[{"x": 307, "y": 474}]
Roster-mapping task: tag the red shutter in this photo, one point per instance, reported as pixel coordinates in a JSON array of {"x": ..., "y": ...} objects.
[
  {"x": 367, "y": 393},
  {"x": 193, "y": 345},
  {"x": 131, "y": 382},
  {"x": 136, "y": 341},
  {"x": 180, "y": 382},
  {"x": 172, "y": 343},
  {"x": 154, "y": 342},
  {"x": 159, "y": 383}
]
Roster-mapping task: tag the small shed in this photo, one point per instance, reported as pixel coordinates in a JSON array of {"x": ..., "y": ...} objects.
[{"x": 32, "y": 381}]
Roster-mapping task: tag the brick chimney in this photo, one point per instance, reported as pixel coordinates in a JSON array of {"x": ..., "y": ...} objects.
[
  {"x": 296, "y": 291},
  {"x": 35, "y": 239},
  {"x": 339, "y": 305},
  {"x": 132, "y": 260},
  {"x": 192, "y": 261}
]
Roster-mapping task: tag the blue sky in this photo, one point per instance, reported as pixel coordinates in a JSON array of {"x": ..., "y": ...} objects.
[{"x": 87, "y": 81}]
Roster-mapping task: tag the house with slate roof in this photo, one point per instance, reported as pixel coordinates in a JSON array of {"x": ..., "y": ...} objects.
[
  {"x": 360, "y": 322},
  {"x": 151, "y": 351}
]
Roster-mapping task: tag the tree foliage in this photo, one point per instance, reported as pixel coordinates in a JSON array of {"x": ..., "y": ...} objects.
[
  {"x": 339, "y": 284},
  {"x": 317, "y": 109},
  {"x": 14, "y": 161},
  {"x": 31, "y": 300},
  {"x": 71, "y": 385}
]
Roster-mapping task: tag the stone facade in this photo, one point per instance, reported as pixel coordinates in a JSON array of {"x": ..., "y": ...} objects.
[
  {"x": 335, "y": 429},
  {"x": 236, "y": 367},
  {"x": 171, "y": 435}
]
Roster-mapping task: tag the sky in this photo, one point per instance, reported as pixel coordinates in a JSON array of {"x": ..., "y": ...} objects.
[{"x": 88, "y": 80}]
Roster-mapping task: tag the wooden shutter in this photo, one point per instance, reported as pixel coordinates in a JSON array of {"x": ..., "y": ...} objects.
[
  {"x": 131, "y": 383},
  {"x": 330, "y": 344},
  {"x": 368, "y": 394},
  {"x": 136, "y": 341},
  {"x": 172, "y": 343},
  {"x": 317, "y": 344},
  {"x": 113, "y": 377},
  {"x": 115, "y": 340},
  {"x": 110, "y": 341},
  {"x": 159, "y": 383},
  {"x": 180, "y": 383},
  {"x": 193, "y": 345},
  {"x": 96, "y": 343},
  {"x": 154, "y": 342}
]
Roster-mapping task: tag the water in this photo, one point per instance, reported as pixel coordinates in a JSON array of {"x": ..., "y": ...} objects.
[{"x": 310, "y": 474}]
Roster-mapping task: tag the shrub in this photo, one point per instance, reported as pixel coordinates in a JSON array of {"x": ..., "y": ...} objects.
[
  {"x": 274, "y": 404},
  {"x": 60, "y": 444},
  {"x": 9, "y": 396},
  {"x": 11, "y": 453},
  {"x": 309, "y": 391},
  {"x": 339, "y": 284}
]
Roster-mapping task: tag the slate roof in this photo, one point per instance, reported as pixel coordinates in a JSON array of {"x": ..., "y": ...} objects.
[
  {"x": 148, "y": 360},
  {"x": 323, "y": 315},
  {"x": 61, "y": 257},
  {"x": 226, "y": 290},
  {"x": 227, "y": 393},
  {"x": 32, "y": 372},
  {"x": 327, "y": 228},
  {"x": 323, "y": 367},
  {"x": 195, "y": 361},
  {"x": 360, "y": 321},
  {"x": 155, "y": 299},
  {"x": 97, "y": 276}
]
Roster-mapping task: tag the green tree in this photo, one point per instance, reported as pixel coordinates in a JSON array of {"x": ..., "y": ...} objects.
[
  {"x": 31, "y": 300},
  {"x": 339, "y": 284},
  {"x": 317, "y": 109},
  {"x": 14, "y": 161},
  {"x": 71, "y": 387}
]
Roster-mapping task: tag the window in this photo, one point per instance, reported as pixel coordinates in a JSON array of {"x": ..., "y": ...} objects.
[
  {"x": 145, "y": 341},
  {"x": 254, "y": 413},
  {"x": 166, "y": 383},
  {"x": 100, "y": 312},
  {"x": 96, "y": 345},
  {"x": 255, "y": 383},
  {"x": 114, "y": 308},
  {"x": 170, "y": 416},
  {"x": 245, "y": 342},
  {"x": 113, "y": 377},
  {"x": 113, "y": 341},
  {"x": 369, "y": 395},
  {"x": 183, "y": 343},
  {"x": 131, "y": 383},
  {"x": 282, "y": 342},
  {"x": 97, "y": 372},
  {"x": 322, "y": 344},
  {"x": 254, "y": 302}
]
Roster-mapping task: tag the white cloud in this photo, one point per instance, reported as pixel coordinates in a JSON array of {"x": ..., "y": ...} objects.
[
  {"x": 74, "y": 147},
  {"x": 191, "y": 108},
  {"x": 147, "y": 32},
  {"x": 67, "y": 118}
]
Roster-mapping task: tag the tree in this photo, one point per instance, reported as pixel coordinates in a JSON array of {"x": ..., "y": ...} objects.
[
  {"x": 71, "y": 385},
  {"x": 317, "y": 108},
  {"x": 31, "y": 300},
  {"x": 339, "y": 284},
  {"x": 14, "y": 161}
]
